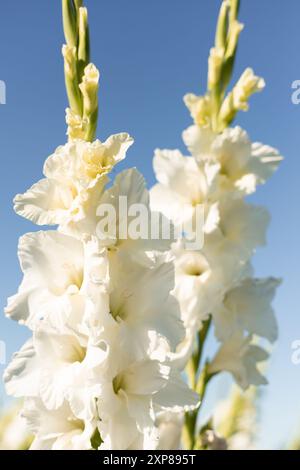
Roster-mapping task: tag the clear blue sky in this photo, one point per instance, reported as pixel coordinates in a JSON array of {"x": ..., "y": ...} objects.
[{"x": 150, "y": 54}]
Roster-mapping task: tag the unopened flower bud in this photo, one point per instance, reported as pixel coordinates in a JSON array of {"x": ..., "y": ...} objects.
[
  {"x": 215, "y": 62},
  {"x": 71, "y": 79},
  {"x": 69, "y": 55},
  {"x": 247, "y": 85},
  {"x": 69, "y": 22},
  {"x": 84, "y": 43},
  {"x": 89, "y": 87},
  {"x": 234, "y": 32},
  {"x": 200, "y": 108},
  {"x": 76, "y": 125}
]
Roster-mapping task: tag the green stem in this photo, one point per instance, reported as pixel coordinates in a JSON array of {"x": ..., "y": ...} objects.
[
  {"x": 202, "y": 335},
  {"x": 193, "y": 367},
  {"x": 202, "y": 384}
]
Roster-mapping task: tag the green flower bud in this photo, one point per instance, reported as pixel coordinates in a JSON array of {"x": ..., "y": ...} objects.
[
  {"x": 70, "y": 23},
  {"x": 84, "y": 40},
  {"x": 89, "y": 89},
  {"x": 70, "y": 67}
]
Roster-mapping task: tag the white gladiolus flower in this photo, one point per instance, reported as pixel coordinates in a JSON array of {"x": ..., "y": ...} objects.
[
  {"x": 129, "y": 297},
  {"x": 57, "y": 268},
  {"x": 183, "y": 185},
  {"x": 75, "y": 174},
  {"x": 243, "y": 165},
  {"x": 53, "y": 267},
  {"x": 242, "y": 228},
  {"x": 137, "y": 297},
  {"x": 239, "y": 357},
  {"x": 47, "y": 366},
  {"x": 57, "y": 429},
  {"x": 58, "y": 273},
  {"x": 214, "y": 281},
  {"x": 248, "y": 307},
  {"x": 120, "y": 298},
  {"x": 136, "y": 390},
  {"x": 199, "y": 286},
  {"x": 128, "y": 387},
  {"x": 235, "y": 230},
  {"x": 117, "y": 299},
  {"x": 128, "y": 197},
  {"x": 105, "y": 327},
  {"x": 224, "y": 168}
]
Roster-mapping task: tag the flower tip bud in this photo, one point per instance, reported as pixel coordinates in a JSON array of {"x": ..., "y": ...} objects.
[
  {"x": 250, "y": 82},
  {"x": 199, "y": 107},
  {"x": 91, "y": 74},
  {"x": 83, "y": 19}
]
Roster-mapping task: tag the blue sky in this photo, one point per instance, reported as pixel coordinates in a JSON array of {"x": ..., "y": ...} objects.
[{"x": 150, "y": 53}]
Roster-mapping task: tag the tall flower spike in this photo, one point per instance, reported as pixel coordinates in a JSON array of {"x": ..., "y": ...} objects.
[
  {"x": 105, "y": 323},
  {"x": 214, "y": 283}
]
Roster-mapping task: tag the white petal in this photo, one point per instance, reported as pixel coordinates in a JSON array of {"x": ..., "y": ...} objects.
[
  {"x": 22, "y": 376},
  {"x": 180, "y": 174},
  {"x": 118, "y": 145},
  {"x": 45, "y": 203},
  {"x": 250, "y": 306},
  {"x": 264, "y": 162},
  {"x": 176, "y": 396},
  {"x": 171, "y": 204},
  {"x": 52, "y": 264},
  {"x": 142, "y": 298},
  {"x": 237, "y": 356},
  {"x": 198, "y": 140},
  {"x": 145, "y": 378}
]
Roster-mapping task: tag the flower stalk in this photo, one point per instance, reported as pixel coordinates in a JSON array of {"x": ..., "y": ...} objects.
[
  {"x": 101, "y": 371},
  {"x": 198, "y": 381},
  {"x": 215, "y": 279}
]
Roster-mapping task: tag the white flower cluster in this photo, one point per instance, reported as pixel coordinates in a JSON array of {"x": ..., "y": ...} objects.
[
  {"x": 217, "y": 281},
  {"x": 104, "y": 320}
]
